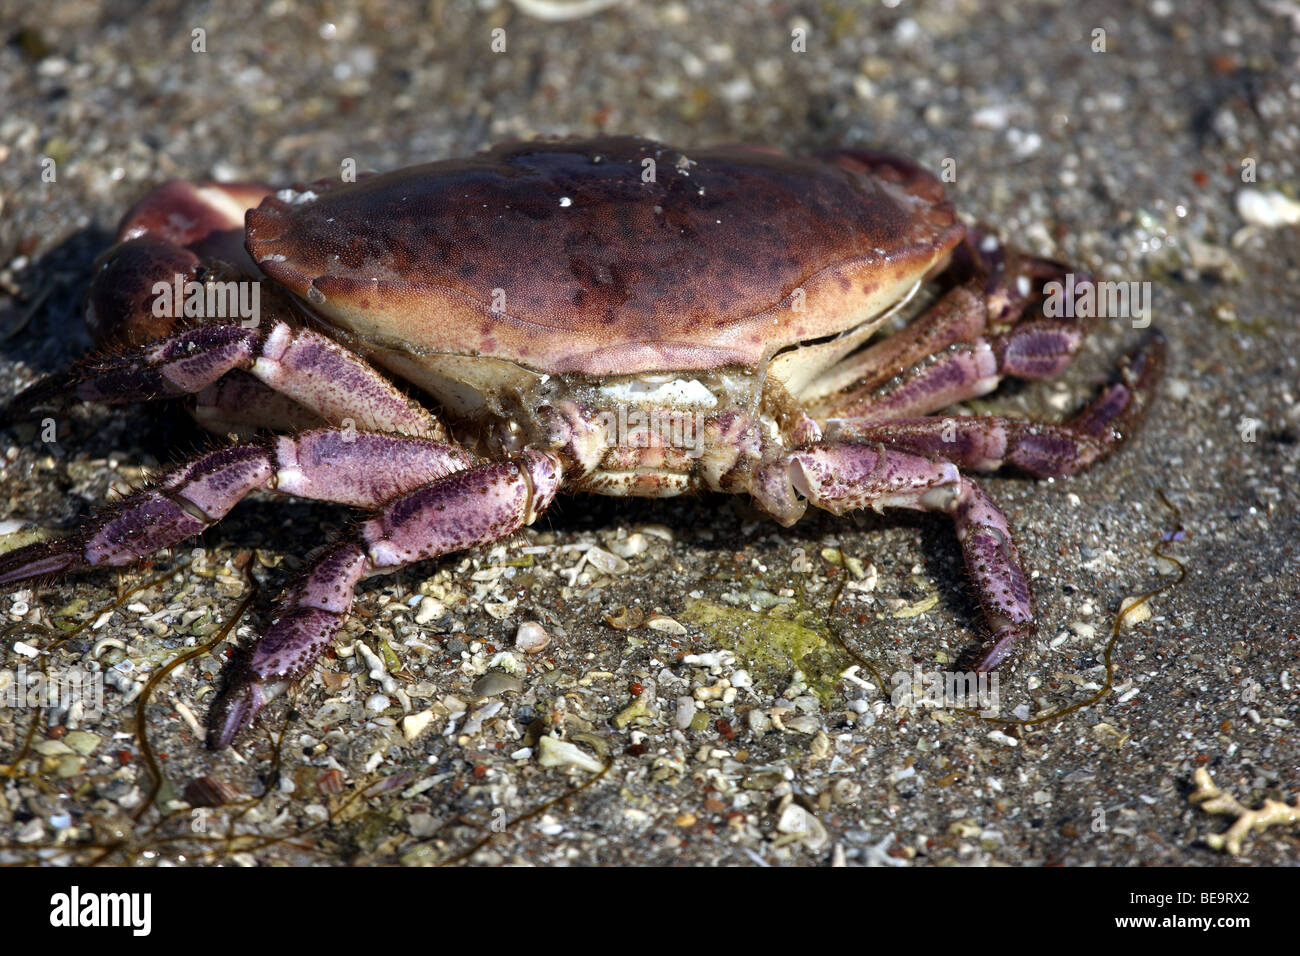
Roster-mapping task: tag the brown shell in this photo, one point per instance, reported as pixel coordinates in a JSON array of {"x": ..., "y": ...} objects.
[{"x": 601, "y": 267}]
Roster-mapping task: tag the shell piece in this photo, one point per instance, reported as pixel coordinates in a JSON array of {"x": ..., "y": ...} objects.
[{"x": 607, "y": 256}]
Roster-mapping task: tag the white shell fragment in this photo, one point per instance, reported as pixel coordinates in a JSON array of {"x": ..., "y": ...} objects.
[
  {"x": 430, "y": 608},
  {"x": 606, "y": 562},
  {"x": 665, "y": 624},
  {"x": 561, "y": 753},
  {"x": 416, "y": 724},
  {"x": 1267, "y": 209}
]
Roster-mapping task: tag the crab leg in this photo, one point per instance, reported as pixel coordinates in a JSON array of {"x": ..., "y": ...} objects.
[
  {"x": 986, "y": 442},
  {"x": 237, "y": 403},
  {"x": 301, "y": 364},
  {"x": 363, "y": 470},
  {"x": 959, "y": 316},
  {"x": 840, "y": 476},
  {"x": 469, "y": 508},
  {"x": 949, "y": 353},
  {"x": 1039, "y": 348}
]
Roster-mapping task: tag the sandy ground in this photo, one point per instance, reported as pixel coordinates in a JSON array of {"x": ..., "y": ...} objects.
[{"x": 1128, "y": 161}]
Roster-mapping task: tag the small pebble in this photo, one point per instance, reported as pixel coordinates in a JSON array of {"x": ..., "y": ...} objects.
[
  {"x": 631, "y": 546},
  {"x": 494, "y": 682},
  {"x": 1132, "y": 612},
  {"x": 802, "y": 724},
  {"x": 685, "y": 712},
  {"x": 531, "y": 637}
]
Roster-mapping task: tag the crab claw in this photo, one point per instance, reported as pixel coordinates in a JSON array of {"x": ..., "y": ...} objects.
[
  {"x": 37, "y": 560},
  {"x": 235, "y": 710}
]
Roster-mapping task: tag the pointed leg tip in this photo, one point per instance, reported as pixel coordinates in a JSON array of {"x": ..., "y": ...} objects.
[
  {"x": 1000, "y": 649},
  {"x": 234, "y": 712}
]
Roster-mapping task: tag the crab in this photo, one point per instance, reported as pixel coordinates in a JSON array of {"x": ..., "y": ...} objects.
[{"x": 612, "y": 316}]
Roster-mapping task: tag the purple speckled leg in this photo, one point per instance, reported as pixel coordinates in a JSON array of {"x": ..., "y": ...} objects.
[
  {"x": 839, "y": 477},
  {"x": 300, "y": 364},
  {"x": 464, "y": 510},
  {"x": 239, "y": 404},
  {"x": 985, "y": 443},
  {"x": 359, "y": 469},
  {"x": 961, "y": 347},
  {"x": 1038, "y": 348}
]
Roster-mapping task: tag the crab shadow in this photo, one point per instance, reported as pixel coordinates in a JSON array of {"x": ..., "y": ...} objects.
[
  {"x": 41, "y": 326},
  {"x": 715, "y": 527}
]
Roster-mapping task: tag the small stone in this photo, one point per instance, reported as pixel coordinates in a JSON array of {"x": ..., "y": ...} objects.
[
  {"x": 802, "y": 724},
  {"x": 70, "y": 766},
  {"x": 531, "y": 637},
  {"x": 1268, "y": 209},
  {"x": 422, "y": 825},
  {"x": 1134, "y": 610},
  {"x": 685, "y": 712},
  {"x": 632, "y": 712},
  {"x": 763, "y": 780},
  {"x": 377, "y": 703},
  {"x": 494, "y": 683},
  {"x": 804, "y": 827},
  {"x": 208, "y": 791},
  {"x": 32, "y": 831},
  {"x": 480, "y": 715},
  {"x": 82, "y": 741},
  {"x": 631, "y": 546}
]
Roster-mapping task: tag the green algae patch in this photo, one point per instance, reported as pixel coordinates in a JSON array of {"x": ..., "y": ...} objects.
[{"x": 773, "y": 644}]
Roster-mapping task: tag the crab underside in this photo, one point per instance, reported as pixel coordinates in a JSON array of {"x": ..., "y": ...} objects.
[{"x": 581, "y": 327}]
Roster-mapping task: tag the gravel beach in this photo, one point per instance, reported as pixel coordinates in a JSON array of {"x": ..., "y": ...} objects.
[{"x": 682, "y": 681}]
